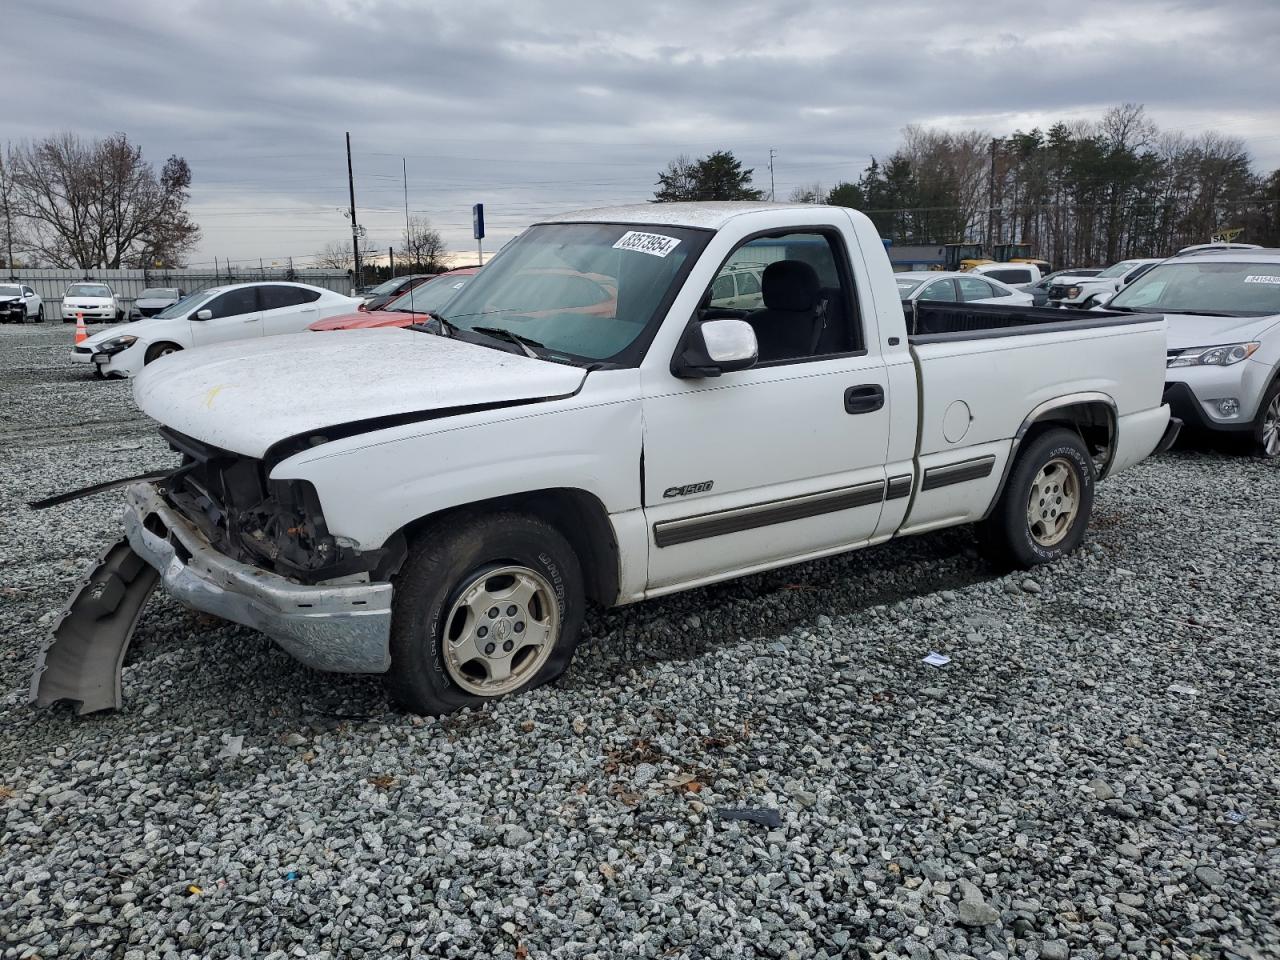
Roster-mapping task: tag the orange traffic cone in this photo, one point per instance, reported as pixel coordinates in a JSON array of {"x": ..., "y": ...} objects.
[{"x": 81, "y": 333}]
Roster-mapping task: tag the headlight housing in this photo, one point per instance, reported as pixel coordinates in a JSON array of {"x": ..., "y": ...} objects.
[
  {"x": 1073, "y": 291},
  {"x": 116, "y": 344},
  {"x": 1221, "y": 356}
]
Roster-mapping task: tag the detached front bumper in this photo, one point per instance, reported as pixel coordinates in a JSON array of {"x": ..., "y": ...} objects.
[{"x": 341, "y": 628}]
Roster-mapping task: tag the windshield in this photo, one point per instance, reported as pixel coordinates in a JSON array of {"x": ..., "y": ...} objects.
[
  {"x": 6, "y": 290},
  {"x": 88, "y": 290},
  {"x": 588, "y": 291},
  {"x": 1208, "y": 287},
  {"x": 906, "y": 285},
  {"x": 387, "y": 287},
  {"x": 429, "y": 297},
  {"x": 158, "y": 293},
  {"x": 1118, "y": 269},
  {"x": 186, "y": 305}
]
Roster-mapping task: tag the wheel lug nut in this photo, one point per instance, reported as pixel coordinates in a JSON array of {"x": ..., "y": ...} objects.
[
  {"x": 519, "y": 627},
  {"x": 488, "y": 648},
  {"x": 511, "y": 610},
  {"x": 508, "y": 646},
  {"x": 482, "y": 632},
  {"x": 493, "y": 613}
]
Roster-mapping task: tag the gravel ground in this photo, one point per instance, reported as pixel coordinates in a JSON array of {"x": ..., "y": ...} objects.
[{"x": 1095, "y": 773}]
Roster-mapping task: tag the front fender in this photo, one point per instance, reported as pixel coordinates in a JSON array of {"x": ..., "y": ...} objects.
[{"x": 373, "y": 485}]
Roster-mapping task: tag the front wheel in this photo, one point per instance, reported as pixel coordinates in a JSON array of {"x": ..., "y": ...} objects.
[
  {"x": 1044, "y": 510},
  {"x": 1266, "y": 431},
  {"x": 483, "y": 607},
  {"x": 158, "y": 350},
  {"x": 40, "y": 315}
]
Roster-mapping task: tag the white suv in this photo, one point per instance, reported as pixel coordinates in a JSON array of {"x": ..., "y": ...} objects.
[
  {"x": 1223, "y": 311},
  {"x": 94, "y": 301},
  {"x": 1087, "y": 292}
]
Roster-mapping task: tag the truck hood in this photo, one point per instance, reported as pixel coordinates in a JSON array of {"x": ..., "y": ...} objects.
[
  {"x": 1187, "y": 330},
  {"x": 247, "y": 395}
]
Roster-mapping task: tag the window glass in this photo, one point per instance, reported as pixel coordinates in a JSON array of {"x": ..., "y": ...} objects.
[
  {"x": 235, "y": 302},
  {"x": 807, "y": 307},
  {"x": 906, "y": 285},
  {"x": 721, "y": 289},
  {"x": 158, "y": 293},
  {"x": 88, "y": 290},
  {"x": 971, "y": 288},
  {"x": 1211, "y": 288},
  {"x": 187, "y": 306},
  {"x": 428, "y": 297},
  {"x": 585, "y": 291},
  {"x": 748, "y": 284},
  {"x": 999, "y": 291},
  {"x": 939, "y": 290},
  {"x": 8, "y": 291},
  {"x": 28, "y": 292},
  {"x": 1118, "y": 269},
  {"x": 274, "y": 296},
  {"x": 1011, "y": 276}
]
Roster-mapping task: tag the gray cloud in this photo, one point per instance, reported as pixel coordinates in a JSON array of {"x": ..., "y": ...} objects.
[{"x": 541, "y": 106}]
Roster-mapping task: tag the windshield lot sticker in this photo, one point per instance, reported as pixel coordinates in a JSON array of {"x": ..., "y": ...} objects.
[
  {"x": 1263, "y": 279},
  {"x": 654, "y": 244}
]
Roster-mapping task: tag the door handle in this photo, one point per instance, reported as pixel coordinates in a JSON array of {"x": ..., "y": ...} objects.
[{"x": 866, "y": 398}]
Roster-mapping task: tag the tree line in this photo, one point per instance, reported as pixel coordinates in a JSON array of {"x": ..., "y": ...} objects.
[
  {"x": 1082, "y": 193},
  {"x": 68, "y": 202}
]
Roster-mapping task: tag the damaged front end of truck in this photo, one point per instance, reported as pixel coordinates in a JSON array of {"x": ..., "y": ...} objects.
[{"x": 224, "y": 539}]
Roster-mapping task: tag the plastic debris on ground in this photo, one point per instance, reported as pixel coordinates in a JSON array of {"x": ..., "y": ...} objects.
[
  {"x": 766, "y": 818},
  {"x": 935, "y": 659}
]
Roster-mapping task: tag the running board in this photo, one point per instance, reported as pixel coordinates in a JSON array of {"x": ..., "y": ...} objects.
[{"x": 83, "y": 657}]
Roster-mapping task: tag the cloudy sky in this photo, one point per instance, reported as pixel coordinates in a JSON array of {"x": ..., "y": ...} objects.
[{"x": 535, "y": 107}]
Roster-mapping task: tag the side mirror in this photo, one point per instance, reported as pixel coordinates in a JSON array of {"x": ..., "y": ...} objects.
[
  {"x": 203, "y": 315},
  {"x": 712, "y": 347}
]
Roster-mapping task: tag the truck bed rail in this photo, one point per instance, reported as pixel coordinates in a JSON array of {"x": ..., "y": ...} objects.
[{"x": 939, "y": 322}]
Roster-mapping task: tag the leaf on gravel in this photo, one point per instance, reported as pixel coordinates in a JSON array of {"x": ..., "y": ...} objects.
[
  {"x": 6, "y": 793},
  {"x": 527, "y": 726},
  {"x": 521, "y": 951},
  {"x": 607, "y": 871},
  {"x": 308, "y": 756},
  {"x": 195, "y": 891},
  {"x": 382, "y": 781}
]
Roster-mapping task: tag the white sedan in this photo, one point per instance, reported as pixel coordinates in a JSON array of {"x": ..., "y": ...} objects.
[
  {"x": 958, "y": 288},
  {"x": 244, "y": 311}
]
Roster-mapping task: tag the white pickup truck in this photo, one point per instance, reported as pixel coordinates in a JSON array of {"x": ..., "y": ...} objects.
[{"x": 439, "y": 503}]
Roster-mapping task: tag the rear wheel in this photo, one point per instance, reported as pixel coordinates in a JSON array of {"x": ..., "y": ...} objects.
[
  {"x": 1266, "y": 431},
  {"x": 40, "y": 314},
  {"x": 158, "y": 350},
  {"x": 1044, "y": 509},
  {"x": 484, "y": 607}
]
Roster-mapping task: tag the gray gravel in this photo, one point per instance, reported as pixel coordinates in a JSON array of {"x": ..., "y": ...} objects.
[{"x": 1095, "y": 773}]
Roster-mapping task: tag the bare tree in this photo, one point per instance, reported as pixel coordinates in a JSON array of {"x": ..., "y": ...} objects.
[
  {"x": 9, "y": 237},
  {"x": 422, "y": 246},
  {"x": 338, "y": 256},
  {"x": 809, "y": 193},
  {"x": 101, "y": 204}
]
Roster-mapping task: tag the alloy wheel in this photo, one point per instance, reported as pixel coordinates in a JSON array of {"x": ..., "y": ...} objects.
[{"x": 1053, "y": 503}]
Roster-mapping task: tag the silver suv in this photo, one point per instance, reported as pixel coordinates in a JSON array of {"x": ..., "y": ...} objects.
[{"x": 1223, "y": 311}]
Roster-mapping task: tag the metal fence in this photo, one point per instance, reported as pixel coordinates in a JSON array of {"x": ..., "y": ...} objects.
[{"x": 50, "y": 284}]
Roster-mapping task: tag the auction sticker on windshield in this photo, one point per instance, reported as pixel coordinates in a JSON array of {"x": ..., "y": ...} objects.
[
  {"x": 654, "y": 244},
  {"x": 1262, "y": 278}
]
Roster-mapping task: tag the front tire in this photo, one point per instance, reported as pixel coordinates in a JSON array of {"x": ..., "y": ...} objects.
[
  {"x": 158, "y": 350},
  {"x": 1044, "y": 509},
  {"x": 484, "y": 607},
  {"x": 40, "y": 315},
  {"x": 1266, "y": 430}
]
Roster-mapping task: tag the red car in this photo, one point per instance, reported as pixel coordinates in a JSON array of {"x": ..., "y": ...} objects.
[{"x": 405, "y": 309}]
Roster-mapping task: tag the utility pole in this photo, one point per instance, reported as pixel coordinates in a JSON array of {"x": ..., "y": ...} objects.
[
  {"x": 355, "y": 230},
  {"x": 8, "y": 217},
  {"x": 391, "y": 259},
  {"x": 772, "y": 152}
]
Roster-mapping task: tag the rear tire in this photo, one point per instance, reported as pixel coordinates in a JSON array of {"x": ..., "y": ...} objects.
[
  {"x": 448, "y": 647},
  {"x": 40, "y": 315},
  {"x": 1043, "y": 511},
  {"x": 1266, "y": 429},
  {"x": 158, "y": 350}
]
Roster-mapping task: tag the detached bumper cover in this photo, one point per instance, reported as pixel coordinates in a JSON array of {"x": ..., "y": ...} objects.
[{"x": 339, "y": 628}]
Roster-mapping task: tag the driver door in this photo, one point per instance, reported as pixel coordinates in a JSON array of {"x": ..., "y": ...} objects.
[
  {"x": 236, "y": 316},
  {"x": 782, "y": 460}
]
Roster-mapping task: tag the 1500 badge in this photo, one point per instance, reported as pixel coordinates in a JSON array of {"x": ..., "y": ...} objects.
[{"x": 687, "y": 489}]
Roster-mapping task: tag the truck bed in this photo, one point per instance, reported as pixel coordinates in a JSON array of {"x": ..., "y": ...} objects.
[{"x": 936, "y": 321}]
